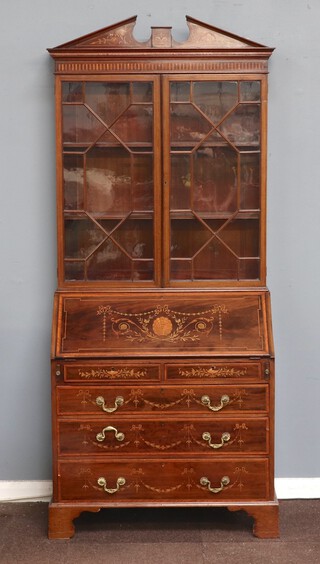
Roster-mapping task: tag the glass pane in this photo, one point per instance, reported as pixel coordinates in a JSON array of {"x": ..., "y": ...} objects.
[
  {"x": 180, "y": 269},
  {"x": 180, "y": 91},
  {"x": 215, "y": 179},
  {"x": 80, "y": 125},
  {"x": 142, "y": 91},
  {"x": 108, "y": 181},
  {"x": 136, "y": 237},
  {"x": 107, "y": 99},
  {"x": 74, "y": 270},
  {"x": 72, "y": 92},
  {"x": 187, "y": 237},
  {"x": 109, "y": 263},
  {"x": 215, "y": 99},
  {"x": 135, "y": 125},
  {"x": 242, "y": 236},
  {"x": 142, "y": 182},
  {"x": 242, "y": 127},
  {"x": 215, "y": 224},
  {"x": 108, "y": 140},
  {"x": 250, "y": 181},
  {"x": 180, "y": 182},
  {"x": 143, "y": 270},
  {"x": 82, "y": 236},
  {"x": 250, "y": 91},
  {"x": 73, "y": 182},
  {"x": 187, "y": 124},
  {"x": 108, "y": 175},
  {"x": 108, "y": 224},
  {"x": 249, "y": 269},
  {"x": 215, "y": 262},
  {"x": 215, "y": 139}
]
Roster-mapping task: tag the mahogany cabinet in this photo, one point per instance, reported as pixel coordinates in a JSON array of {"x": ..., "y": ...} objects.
[{"x": 162, "y": 350}]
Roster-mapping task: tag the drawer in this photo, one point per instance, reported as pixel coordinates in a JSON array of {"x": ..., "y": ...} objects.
[
  {"x": 214, "y": 400},
  {"x": 186, "y": 480},
  {"x": 215, "y": 371},
  {"x": 116, "y": 371},
  {"x": 151, "y": 437}
]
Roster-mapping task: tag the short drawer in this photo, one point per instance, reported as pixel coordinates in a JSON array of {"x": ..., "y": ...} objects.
[
  {"x": 151, "y": 437},
  {"x": 208, "y": 399},
  {"x": 214, "y": 371},
  {"x": 111, "y": 372},
  {"x": 160, "y": 481}
]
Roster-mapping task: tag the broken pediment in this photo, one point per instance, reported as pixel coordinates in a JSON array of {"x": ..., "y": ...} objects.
[{"x": 121, "y": 36}]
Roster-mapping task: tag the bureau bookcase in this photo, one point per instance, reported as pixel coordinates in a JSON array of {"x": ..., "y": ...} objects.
[{"x": 162, "y": 350}]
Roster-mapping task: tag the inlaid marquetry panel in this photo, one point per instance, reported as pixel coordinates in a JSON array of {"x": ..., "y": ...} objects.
[{"x": 155, "y": 324}]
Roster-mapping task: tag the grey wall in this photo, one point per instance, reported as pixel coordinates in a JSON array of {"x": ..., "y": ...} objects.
[{"x": 27, "y": 219}]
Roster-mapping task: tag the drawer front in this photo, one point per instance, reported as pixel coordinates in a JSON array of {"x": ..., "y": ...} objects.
[
  {"x": 214, "y": 371},
  {"x": 151, "y": 437},
  {"x": 160, "y": 481},
  {"x": 213, "y": 400},
  {"x": 111, "y": 372}
]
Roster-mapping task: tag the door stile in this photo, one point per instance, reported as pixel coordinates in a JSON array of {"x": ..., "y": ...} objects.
[
  {"x": 263, "y": 178},
  {"x": 166, "y": 179},
  {"x": 157, "y": 180}
]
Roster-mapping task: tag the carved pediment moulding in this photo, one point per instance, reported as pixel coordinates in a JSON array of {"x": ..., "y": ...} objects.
[{"x": 120, "y": 36}]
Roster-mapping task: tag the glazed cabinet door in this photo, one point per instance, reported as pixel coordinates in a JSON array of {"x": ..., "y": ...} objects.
[
  {"x": 109, "y": 216},
  {"x": 214, "y": 179}
]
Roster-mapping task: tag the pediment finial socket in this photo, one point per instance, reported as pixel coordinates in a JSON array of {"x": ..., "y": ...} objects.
[{"x": 161, "y": 37}]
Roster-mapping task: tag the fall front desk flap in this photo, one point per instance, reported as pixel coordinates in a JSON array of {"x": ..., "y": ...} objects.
[{"x": 158, "y": 324}]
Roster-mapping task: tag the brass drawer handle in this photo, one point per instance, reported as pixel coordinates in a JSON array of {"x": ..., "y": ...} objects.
[
  {"x": 225, "y": 480},
  {"x": 118, "y": 402},
  {"x": 225, "y": 437},
  {"x": 205, "y": 400},
  {"x": 103, "y": 483},
  {"x": 102, "y": 435}
]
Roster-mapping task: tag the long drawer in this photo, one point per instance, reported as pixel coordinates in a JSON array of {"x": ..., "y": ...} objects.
[
  {"x": 175, "y": 480},
  {"x": 154, "y": 436},
  {"x": 216, "y": 399}
]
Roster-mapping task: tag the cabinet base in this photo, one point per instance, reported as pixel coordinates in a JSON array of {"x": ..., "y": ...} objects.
[
  {"x": 266, "y": 518},
  {"x": 61, "y": 516},
  {"x": 265, "y": 515}
]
